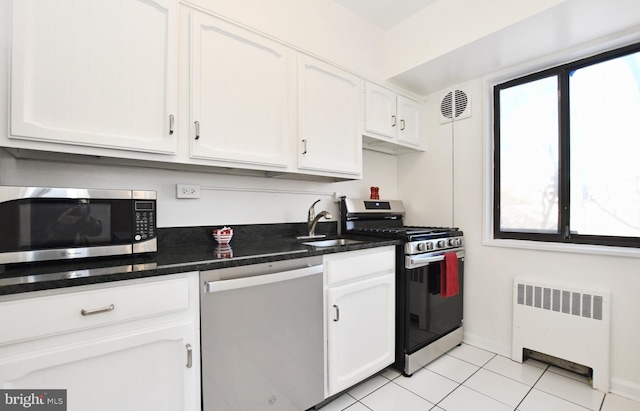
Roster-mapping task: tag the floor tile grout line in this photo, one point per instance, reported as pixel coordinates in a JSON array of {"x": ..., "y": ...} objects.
[
  {"x": 415, "y": 393},
  {"x": 443, "y": 376},
  {"x": 358, "y": 400},
  {"x": 602, "y": 403},
  {"x": 557, "y": 396},
  {"x": 461, "y": 383},
  {"x": 469, "y": 362},
  {"x": 418, "y": 395},
  {"x": 531, "y": 388},
  {"x": 497, "y": 373},
  {"x": 513, "y": 379},
  {"x": 451, "y": 392}
]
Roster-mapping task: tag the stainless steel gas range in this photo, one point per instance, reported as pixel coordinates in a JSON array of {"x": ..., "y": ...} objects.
[{"x": 429, "y": 279}]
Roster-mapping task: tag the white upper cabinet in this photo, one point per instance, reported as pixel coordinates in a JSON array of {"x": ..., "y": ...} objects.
[
  {"x": 408, "y": 126},
  {"x": 392, "y": 121},
  {"x": 240, "y": 95},
  {"x": 95, "y": 73},
  {"x": 329, "y": 119},
  {"x": 107, "y": 78},
  {"x": 380, "y": 111}
]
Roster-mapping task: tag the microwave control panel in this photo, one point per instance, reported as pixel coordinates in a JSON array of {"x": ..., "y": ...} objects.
[{"x": 144, "y": 220}]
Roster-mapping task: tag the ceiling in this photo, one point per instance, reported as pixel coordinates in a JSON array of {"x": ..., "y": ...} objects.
[
  {"x": 569, "y": 30},
  {"x": 385, "y": 13}
]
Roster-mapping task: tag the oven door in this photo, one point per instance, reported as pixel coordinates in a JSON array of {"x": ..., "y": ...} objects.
[{"x": 427, "y": 315}]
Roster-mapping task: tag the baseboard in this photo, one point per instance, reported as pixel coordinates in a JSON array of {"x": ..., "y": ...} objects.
[
  {"x": 485, "y": 344},
  {"x": 625, "y": 389}
]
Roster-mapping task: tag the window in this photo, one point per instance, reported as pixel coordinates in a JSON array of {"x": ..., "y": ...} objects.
[{"x": 567, "y": 153}]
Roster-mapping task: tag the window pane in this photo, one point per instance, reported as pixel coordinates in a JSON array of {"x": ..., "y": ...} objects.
[
  {"x": 529, "y": 157},
  {"x": 605, "y": 148}
]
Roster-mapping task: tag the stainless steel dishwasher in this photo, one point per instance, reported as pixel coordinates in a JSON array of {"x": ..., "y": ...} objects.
[{"x": 262, "y": 336}]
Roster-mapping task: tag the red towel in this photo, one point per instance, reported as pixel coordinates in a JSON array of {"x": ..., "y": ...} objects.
[{"x": 449, "y": 275}]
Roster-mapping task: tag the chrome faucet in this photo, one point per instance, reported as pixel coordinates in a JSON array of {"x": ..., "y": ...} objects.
[{"x": 312, "y": 220}]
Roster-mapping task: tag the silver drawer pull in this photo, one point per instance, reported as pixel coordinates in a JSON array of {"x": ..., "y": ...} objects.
[
  {"x": 197, "y": 124},
  {"x": 393, "y": 121},
  {"x": 189, "y": 356},
  {"x": 171, "y": 123},
  {"x": 337, "y": 313},
  {"x": 98, "y": 310}
]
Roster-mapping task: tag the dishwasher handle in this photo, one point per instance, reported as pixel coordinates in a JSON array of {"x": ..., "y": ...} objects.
[{"x": 224, "y": 285}]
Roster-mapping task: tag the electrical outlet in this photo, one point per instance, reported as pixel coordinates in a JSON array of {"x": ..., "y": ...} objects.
[{"x": 187, "y": 191}]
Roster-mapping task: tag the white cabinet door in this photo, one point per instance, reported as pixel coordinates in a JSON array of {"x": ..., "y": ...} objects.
[
  {"x": 380, "y": 111},
  {"x": 361, "y": 330},
  {"x": 95, "y": 73},
  {"x": 240, "y": 95},
  {"x": 408, "y": 121},
  {"x": 329, "y": 119},
  {"x": 392, "y": 121},
  {"x": 144, "y": 369},
  {"x": 127, "y": 345}
]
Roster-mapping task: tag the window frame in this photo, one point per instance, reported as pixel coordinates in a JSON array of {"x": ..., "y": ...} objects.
[{"x": 563, "y": 235}]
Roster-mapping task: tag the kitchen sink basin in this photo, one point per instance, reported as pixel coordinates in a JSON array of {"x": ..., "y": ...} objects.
[{"x": 332, "y": 242}]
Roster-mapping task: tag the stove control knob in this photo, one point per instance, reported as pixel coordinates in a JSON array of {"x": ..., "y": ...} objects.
[
  {"x": 450, "y": 242},
  {"x": 422, "y": 246},
  {"x": 440, "y": 244},
  {"x": 429, "y": 246},
  {"x": 458, "y": 242}
]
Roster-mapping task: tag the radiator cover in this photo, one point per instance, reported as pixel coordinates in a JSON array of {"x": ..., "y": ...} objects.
[{"x": 563, "y": 321}]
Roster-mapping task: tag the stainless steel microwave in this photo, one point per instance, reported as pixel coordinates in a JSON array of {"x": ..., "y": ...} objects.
[{"x": 46, "y": 223}]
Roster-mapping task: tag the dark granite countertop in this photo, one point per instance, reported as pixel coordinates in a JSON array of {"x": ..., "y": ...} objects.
[{"x": 179, "y": 250}]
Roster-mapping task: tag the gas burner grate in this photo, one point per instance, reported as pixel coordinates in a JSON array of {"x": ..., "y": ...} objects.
[{"x": 405, "y": 230}]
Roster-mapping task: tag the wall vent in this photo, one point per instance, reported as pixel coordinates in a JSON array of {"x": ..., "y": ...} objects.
[
  {"x": 454, "y": 105},
  {"x": 563, "y": 301},
  {"x": 563, "y": 321}
]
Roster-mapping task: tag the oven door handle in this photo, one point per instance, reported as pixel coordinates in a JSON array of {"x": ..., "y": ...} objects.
[{"x": 420, "y": 260}]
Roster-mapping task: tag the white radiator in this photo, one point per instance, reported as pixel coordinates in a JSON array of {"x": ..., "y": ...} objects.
[{"x": 562, "y": 321}]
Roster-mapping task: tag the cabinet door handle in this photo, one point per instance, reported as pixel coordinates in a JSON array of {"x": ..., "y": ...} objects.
[
  {"x": 337, "y": 313},
  {"x": 189, "y": 355},
  {"x": 401, "y": 124},
  {"x": 98, "y": 310},
  {"x": 197, "y": 124},
  {"x": 172, "y": 120},
  {"x": 304, "y": 142},
  {"x": 393, "y": 121}
]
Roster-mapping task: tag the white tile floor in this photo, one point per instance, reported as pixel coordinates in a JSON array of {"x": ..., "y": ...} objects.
[{"x": 470, "y": 379}]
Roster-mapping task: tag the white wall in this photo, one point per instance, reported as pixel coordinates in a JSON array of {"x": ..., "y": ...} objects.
[
  {"x": 225, "y": 199},
  {"x": 445, "y": 26},
  {"x": 489, "y": 270}
]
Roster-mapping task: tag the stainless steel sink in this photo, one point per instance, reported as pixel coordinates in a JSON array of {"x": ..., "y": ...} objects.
[{"x": 332, "y": 242}]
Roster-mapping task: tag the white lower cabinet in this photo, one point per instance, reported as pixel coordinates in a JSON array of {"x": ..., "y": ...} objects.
[
  {"x": 118, "y": 356},
  {"x": 360, "y": 315}
]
